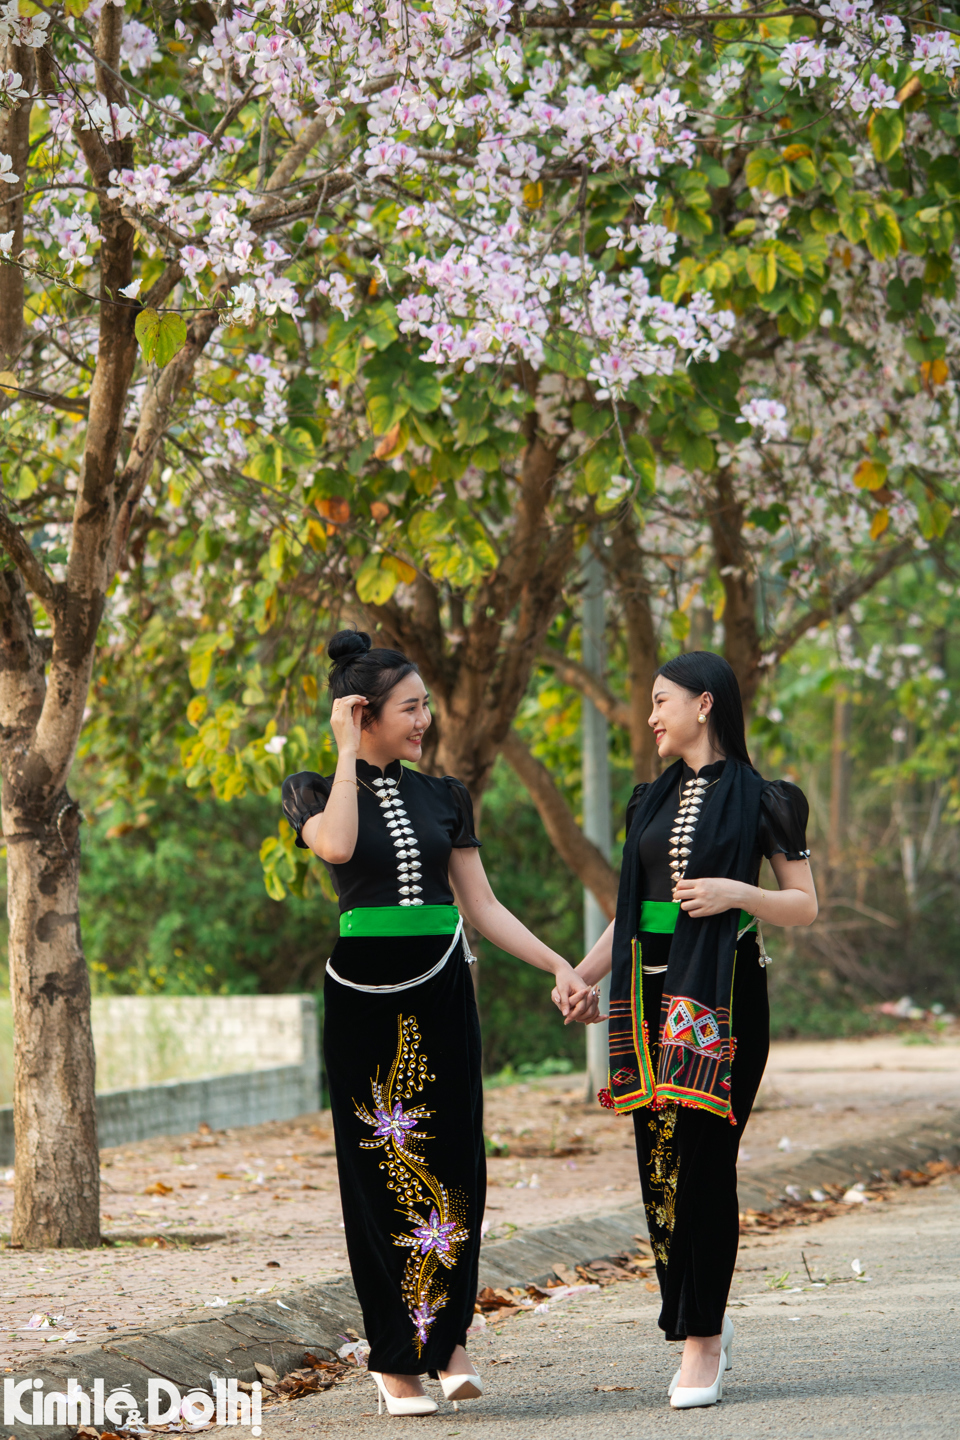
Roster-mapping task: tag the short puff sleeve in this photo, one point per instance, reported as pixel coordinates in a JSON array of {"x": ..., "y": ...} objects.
[
  {"x": 634, "y": 801},
  {"x": 303, "y": 795},
  {"x": 463, "y": 837},
  {"x": 784, "y": 812}
]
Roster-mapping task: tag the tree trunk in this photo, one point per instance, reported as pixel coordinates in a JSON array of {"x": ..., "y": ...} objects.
[
  {"x": 478, "y": 686},
  {"x": 54, "y": 1110},
  {"x": 641, "y": 638},
  {"x": 55, "y": 1118},
  {"x": 742, "y": 647}
]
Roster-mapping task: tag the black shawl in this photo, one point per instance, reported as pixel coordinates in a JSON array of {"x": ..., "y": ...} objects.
[{"x": 694, "y": 1023}]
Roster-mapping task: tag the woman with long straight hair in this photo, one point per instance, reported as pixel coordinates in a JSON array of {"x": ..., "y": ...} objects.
[
  {"x": 401, "y": 1038},
  {"x": 689, "y": 1019}
]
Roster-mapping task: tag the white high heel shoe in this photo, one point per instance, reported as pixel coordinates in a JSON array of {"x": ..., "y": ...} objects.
[
  {"x": 461, "y": 1387},
  {"x": 687, "y": 1397},
  {"x": 408, "y": 1405},
  {"x": 726, "y": 1345}
]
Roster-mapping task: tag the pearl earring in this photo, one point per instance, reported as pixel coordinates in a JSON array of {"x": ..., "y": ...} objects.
[{"x": 702, "y": 718}]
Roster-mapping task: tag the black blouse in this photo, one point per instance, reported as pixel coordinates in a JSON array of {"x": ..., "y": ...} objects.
[
  {"x": 782, "y": 829},
  {"x": 408, "y": 825}
]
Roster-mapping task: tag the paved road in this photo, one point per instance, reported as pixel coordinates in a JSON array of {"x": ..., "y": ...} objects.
[{"x": 855, "y": 1360}]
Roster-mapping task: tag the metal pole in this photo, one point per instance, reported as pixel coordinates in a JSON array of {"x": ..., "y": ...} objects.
[{"x": 596, "y": 798}]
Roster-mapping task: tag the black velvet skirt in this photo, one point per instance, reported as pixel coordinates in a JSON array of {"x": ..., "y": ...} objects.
[
  {"x": 403, "y": 1071},
  {"x": 688, "y": 1159}
]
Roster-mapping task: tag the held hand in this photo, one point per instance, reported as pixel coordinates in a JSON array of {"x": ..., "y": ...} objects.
[
  {"x": 345, "y": 718},
  {"x": 569, "y": 991},
  {"x": 708, "y": 897},
  {"x": 586, "y": 1011}
]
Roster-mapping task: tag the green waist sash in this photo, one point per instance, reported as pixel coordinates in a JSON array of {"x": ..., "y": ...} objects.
[
  {"x": 400, "y": 920},
  {"x": 659, "y": 917}
]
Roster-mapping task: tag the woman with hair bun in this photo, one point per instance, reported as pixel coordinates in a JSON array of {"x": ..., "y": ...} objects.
[
  {"x": 401, "y": 1036},
  {"x": 689, "y": 1020}
]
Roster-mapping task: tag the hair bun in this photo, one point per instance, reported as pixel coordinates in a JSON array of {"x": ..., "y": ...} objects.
[{"x": 348, "y": 645}]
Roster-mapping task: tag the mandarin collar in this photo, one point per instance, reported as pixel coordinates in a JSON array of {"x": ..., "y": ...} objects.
[
  {"x": 706, "y": 772},
  {"x": 370, "y": 772}
]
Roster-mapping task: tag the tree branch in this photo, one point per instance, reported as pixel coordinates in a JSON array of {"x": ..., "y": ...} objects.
[
  {"x": 565, "y": 835},
  {"x": 578, "y": 677},
  {"x": 840, "y": 602},
  {"x": 218, "y": 134},
  {"x": 15, "y": 544},
  {"x": 626, "y": 562}
]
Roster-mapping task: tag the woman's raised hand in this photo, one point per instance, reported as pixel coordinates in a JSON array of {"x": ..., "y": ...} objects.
[{"x": 346, "y": 716}]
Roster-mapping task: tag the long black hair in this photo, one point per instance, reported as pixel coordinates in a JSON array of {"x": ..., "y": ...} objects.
[
  {"x": 359, "y": 670},
  {"x": 700, "y": 670}
]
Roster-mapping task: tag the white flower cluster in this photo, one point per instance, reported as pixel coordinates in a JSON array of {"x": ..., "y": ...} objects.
[
  {"x": 866, "y": 39},
  {"x": 769, "y": 416}
]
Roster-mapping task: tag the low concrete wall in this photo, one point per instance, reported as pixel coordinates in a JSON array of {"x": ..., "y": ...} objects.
[
  {"x": 262, "y": 1048},
  {"x": 141, "y": 1039}
]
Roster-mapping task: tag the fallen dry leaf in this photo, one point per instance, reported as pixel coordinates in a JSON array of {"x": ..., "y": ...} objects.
[
  {"x": 608, "y": 1388},
  {"x": 158, "y": 1188}
]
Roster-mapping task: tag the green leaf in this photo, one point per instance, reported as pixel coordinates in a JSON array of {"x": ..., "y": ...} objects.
[
  {"x": 886, "y": 133},
  {"x": 814, "y": 250},
  {"x": 374, "y": 585},
  {"x": 904, "y": 299},
  {"x": 839, "y": 162},
  {"x": 160, "y": 336},
  {"x": 770, "y": 519},
  {"x": 803, "y": 173},
  {"x": 381, "y": 331},
  {"x": 602, "y": 462},
  {"x": 593, "y": 420},
  {"x": 385, "y": 411},
  {"x": 27, "y": 483},
  {"x": 425, "y": 394},
  {"x": 679, "y": 624},
  {"x": 825, "y": 222},
  {"x": 202, "y": 652},
  {"x": 788, "y": 259},
  {"x": 882, "y": 234},
  {"x": 429, "y": 434},
  {"x": 804, "y": 306},
  {"x": 933, "y": 517},
  {"x": 762, "y": 269},
  {"x": 758, "y": 166}
]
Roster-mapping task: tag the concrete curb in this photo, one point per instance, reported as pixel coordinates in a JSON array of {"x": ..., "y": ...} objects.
[
  {"x": 317, "y": 1317},
  {"x": 878, "y": 1158}
]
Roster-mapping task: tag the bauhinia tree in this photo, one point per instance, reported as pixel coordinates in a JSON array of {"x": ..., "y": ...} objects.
[{"x": 382, "y": 309}]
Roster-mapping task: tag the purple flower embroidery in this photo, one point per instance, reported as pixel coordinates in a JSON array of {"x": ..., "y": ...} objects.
[
  {"x": 396, "y": 1124},
  {"x": 433, "y": 1235},
  {"x": 423, "y": 1317}
]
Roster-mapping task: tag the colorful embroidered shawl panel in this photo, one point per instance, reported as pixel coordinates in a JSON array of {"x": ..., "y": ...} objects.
[
  {"x": 696, "y": 1051},
  {"x": 695, "y": 1054},
  {"x": 632, "y": 1081}
]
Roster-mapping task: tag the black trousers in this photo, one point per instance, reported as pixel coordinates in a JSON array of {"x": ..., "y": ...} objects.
[
  {"x": 403, "y": 1070},
  {"x": 688, "y": 1160}
]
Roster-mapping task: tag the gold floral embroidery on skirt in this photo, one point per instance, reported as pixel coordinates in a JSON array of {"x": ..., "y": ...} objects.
[
  {"x": 436, "y": 1216},
  {"x": 663, "y": 1172}
]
